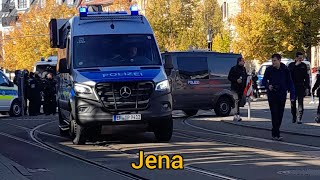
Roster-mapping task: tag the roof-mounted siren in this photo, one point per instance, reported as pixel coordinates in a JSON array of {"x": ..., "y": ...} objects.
[
  {"x": 83, "y": 11},
  {"x": 134, "y": 10}
]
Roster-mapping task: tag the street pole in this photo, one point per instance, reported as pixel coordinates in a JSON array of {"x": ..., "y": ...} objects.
[
  {"x": 249, "y": 107},
  {"x": 209, "y": 39},
  {"x": 20, "y": 79}
]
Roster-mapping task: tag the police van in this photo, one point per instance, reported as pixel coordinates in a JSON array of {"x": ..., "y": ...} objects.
[
  {"x": 44, "y": 65},
  {"x": 111, "y": 77},
  {"x": 9, "y": 101},
  {"x": 199, "y": 80}
]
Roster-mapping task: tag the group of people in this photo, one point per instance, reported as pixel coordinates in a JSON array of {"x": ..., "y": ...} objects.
[
  {"x": 279, "y": 79},
  {"x": 35, "y": 89}
]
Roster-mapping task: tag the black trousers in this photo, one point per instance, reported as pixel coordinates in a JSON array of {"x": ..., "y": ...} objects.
[
  {"x": 238, "y": 102},
  {"x": 277, "y": 108},
  {"x": 300, "y": 107},
  {"x": 34, "y": 106},
  {"x": 50, "y": 105},
  {"x": 318, "y": 110}
]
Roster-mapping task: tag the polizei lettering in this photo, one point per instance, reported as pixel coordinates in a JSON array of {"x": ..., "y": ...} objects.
[{"x": 123, "y": 74}]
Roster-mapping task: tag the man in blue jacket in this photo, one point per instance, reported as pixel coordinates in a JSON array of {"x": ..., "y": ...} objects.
[{"x": 277, "y": 79}]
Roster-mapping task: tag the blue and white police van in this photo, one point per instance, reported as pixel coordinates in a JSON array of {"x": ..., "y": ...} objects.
[
  {"x": 9, "y": 101},
  {"x": 110, "y": 75}
]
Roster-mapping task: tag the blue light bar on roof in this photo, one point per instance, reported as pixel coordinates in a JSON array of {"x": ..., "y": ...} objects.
[
  {"x": 134, "y": 10},
  {"x": 83, "y": 11}
]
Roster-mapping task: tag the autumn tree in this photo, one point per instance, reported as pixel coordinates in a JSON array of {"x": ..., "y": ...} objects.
[
  {"x": 179, "y": 24},
  {"x": 120, "y": 5},
  {"x": 265, "y": 27},
  {"x": 29, "y": 39},
  {"x": 222, "y": 41}
]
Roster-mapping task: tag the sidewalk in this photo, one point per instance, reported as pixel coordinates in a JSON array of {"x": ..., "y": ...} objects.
[
  {"x": 261, "y": 119},
  {"x": 10, "y": 170}
]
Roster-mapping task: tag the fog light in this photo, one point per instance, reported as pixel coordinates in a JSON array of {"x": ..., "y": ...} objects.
[
  {"x": 166, "y": 106},
  {"x": 82, "y": 109}
]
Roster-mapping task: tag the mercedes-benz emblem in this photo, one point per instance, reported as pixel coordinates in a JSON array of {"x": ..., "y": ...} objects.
[{"x": 125, "y": 92}]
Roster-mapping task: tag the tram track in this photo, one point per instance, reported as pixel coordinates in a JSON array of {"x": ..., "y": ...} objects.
[{"x": 33, "y": 134}]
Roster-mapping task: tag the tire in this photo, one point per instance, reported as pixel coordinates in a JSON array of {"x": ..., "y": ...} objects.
[
  {"x": 223, "y": 107},
  {"x": 163, "y": 130},
  {"x": 64, "y": 133},
  {"x": 15, "y": 109},
  {"x": 190, "y": 112},
  {"x": 78, "y": 133}
]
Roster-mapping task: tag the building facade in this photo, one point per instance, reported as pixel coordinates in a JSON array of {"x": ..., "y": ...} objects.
[
  {"x": 9, "y": 11},
  {"x": 229, "y": 9}
]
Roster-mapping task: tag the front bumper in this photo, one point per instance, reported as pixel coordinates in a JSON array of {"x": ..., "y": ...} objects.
[{"x": 89, "y": 112}]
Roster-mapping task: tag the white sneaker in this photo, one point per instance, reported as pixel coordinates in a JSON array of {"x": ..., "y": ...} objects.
[{"x": 237, "y": 118}]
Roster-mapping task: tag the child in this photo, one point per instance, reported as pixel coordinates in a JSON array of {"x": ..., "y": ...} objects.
[{"x": 316, "y": 87}]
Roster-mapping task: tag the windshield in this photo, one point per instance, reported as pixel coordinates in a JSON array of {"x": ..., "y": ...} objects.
[
  {"x": 263, "y": 69},
  {"x": 46, "y": 67},
  {"x": 115, "y": 50}
]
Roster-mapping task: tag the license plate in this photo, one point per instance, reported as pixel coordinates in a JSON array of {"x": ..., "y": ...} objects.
[{"x": 127, "y": 117}]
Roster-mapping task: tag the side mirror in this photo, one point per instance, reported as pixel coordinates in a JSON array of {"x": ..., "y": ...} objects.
[
  {"x": 168, "y": 64},
  {"x": 63, "y": 66}
]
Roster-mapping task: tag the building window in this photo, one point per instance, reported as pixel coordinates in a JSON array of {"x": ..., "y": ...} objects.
[
  {"x": 225, "y": 10},
  {"x": 22, "y": 4}
]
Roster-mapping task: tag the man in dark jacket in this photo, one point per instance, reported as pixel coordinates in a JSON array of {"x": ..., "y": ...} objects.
[
  {"x": 49, "y": 90},
  {"x": 301, "y": 81},
  {"x": 33, "y": 94},
  {"x": 238, "y": 77},
  {"x": 255, "y": 84},
  {"x": 316, "y": 88},
  {"x": 40, "y": 90},
  {"x": 277, "y": 79}
]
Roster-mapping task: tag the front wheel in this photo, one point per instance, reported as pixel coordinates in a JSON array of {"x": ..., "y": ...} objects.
[
  {"x": 15, "y": 109},
  {"x": 223, "y": 107},
  {"x": 77, "y": 132},
  {"x": 163, "y": 130}
]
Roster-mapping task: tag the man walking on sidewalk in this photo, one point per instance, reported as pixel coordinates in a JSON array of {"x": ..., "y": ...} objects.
[
  {"x": 238, "y": 77},
  {"x": 277, "y": 79},
  {"x": 301, "y": 81}
]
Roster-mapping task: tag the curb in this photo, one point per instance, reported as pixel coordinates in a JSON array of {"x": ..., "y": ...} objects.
[{"x": 262, "y": 128}]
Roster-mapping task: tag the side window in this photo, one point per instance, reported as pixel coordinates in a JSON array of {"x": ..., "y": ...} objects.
[
  {"x": 3, "y": 80},
  {"x": 221, "y": 66},
  {"x": 193, "y": 67}
]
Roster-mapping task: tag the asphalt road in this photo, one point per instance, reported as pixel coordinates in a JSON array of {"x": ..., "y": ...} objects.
[{"x": 211, "y": 149}]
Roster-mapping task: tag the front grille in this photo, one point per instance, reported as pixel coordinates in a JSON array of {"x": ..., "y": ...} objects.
[{"x": 110, "y": 95}]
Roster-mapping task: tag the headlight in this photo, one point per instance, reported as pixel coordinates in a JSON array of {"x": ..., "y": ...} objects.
[
  {"x": 163, "y": 86},
  {"x": 82, "y": 89}
]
